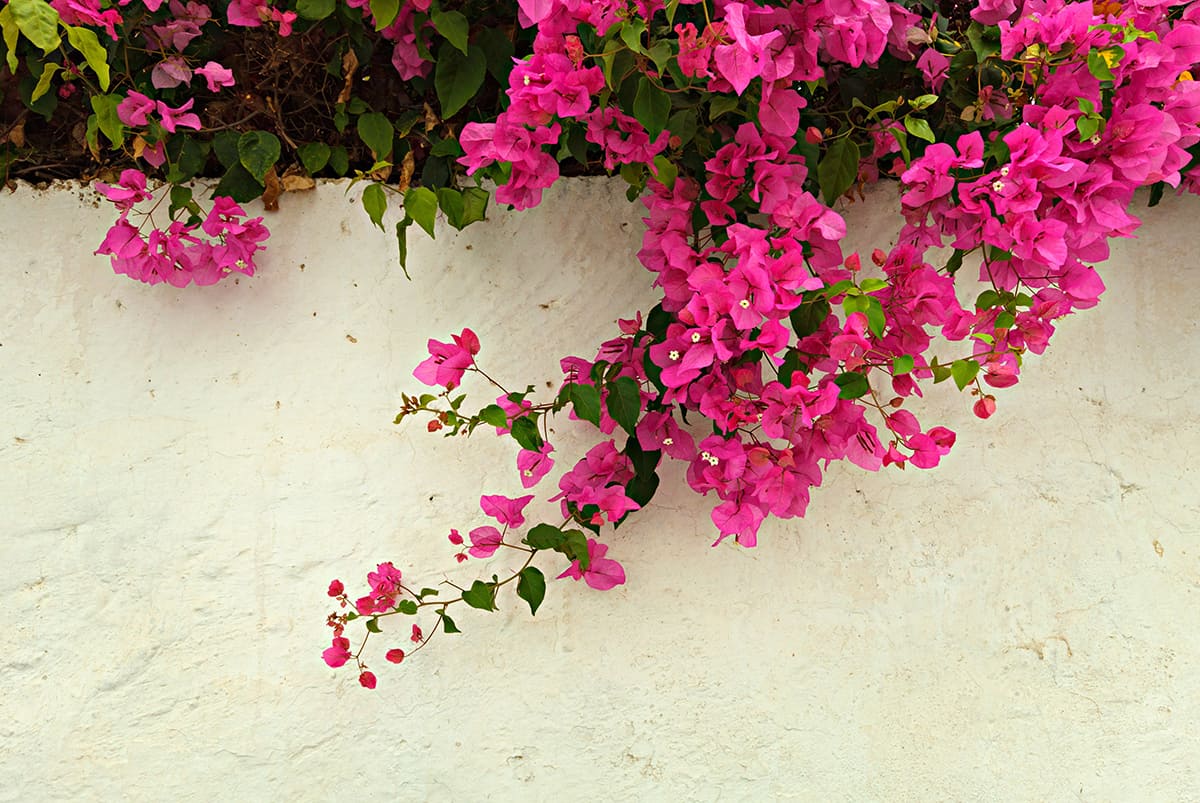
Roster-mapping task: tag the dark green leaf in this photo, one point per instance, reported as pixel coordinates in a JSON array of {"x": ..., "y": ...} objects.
[
  {"x": 531, "y": 587},
  {"x": 575, "y": 548},
  {"x": 546, "y": 536},
  {"x": 457, "y": 78},
  {"x": 373, "y": 625},
  {"x": 475, "y": 201},
  {"x": 838, "y": 169},
  {"x": 453, "y": 26},
  {"x": 954, "y": 262},
  {"x": 808, "y": 317},
  {"x": 481, "y": 595},
  {"x": 641, "y": 489},
  {"x": 314, "y": 156},
  {"x": 376, "y": 133},
  {"x": 448, "y": 625},
  {"x": 225, "y": 147},
  {"x": 875, "y": 318},
  {"x": 651, "y": 107},
  {"x": 315, "y": 9},
  {"x": 407, "y": 607},
  {"x": 238, "y": 184},
  {"x": 105, "y": 107},
  {"x": 402, "y": 242},
  {"x": 339, "y": 160},
  {"x": 853, "y": 385},
  {"x": 258, "y": 151},
  {"x": 427, "y": 592},
  {"x": 586, "y": 401},
  {"x": 624, "y": 402},
  {"x": 524, "y": 431},
  {"x": 498, "y": 51},
  {"x": 451, "y": 202}
]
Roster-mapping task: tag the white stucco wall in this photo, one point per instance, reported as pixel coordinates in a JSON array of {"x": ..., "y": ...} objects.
[{"x": 182, "y": 473}]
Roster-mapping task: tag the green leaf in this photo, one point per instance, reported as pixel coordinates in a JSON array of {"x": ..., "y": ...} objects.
[
  {"x": 875, "y": 318},
  {"x": 871, "y": 285},
  {"x": 631, "y": 34},
  {"x": 575, "y": 548},
  {"x": 640, "y": 489},
  {"x": 373, "y": 625},
  {"x": 497, "y": 50},
  {"x": 376, "y": 133},
  {"x": 402, "y": 243},
  {"x": 407, "y": 607},
  {"x": 374, "y": 200},
  {"x": 105, "y": 107},
  {"x": 546, "y": 536},
  {"x": 481, "y": 595},
  {"x": 457, "y": 78},
  {"x": 954, "y": 262},
  {"x": 384, "y": 12},
  {"x": 8, "y": 25},
  {"x": 940, "y": 372},
  {"x": 586, "y": 401},
  {"x": 524, "y": 432},
  {"x": 421, "y": 205},
  {"x": 38, "y": 20},
  {"x": 494, "y": 414},
  {"x": 238, "y": 184},
  {"x": 1087, "y": 127},
  {"x": 453, "y": 26},
  {"x": 451, "y": 202},
  {"x": 314, "y": 156},
  {"x": 531, "y": 587},
  {"x": 1005, "y": 320},
  {"x": 665, "y": 171},
  {"x": 448, "y": 625},
  {"x": 652, "y": 107},
  {"x": 838, "y": 169},
  {"x": 720, "y": 104},
  {"x": 808, "y": 317},
  {"x": 963, "y": 372},
  {"x": 902, "y": 365},
  {"x": 475, "y": 201},
  {"x": 258, "y": 151},
  {"x": 853, "y": 385},
  {"x": 683, "y": 125},
  {"x": 315, "y": 9},
  {"x": 427, "y": 592},
  {"x": 923, "y": 101},
  {"x": 624, "y": 402},
  {"x": 339, "y": 160},
  {"x": 86, "y": 42},
  {"x": 44, "y": 80},
  {"x": 919, "y": 128}
]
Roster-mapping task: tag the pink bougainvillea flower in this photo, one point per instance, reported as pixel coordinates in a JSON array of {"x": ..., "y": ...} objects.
[
  {"x": 336, "y": 589},
  {"x": 179, "y": 116},
  {"x": 484, "y": 541},
  {"x": 448, "y": 361},
  {"x": 135, "y": 109},
  {"x": 395, "y": 656},
  {"x": 339, "y": 653},
  {"x": 504, "y": 510},
  {"x": 171, "y": 71},
  {"x": 455, "y": 537},
  {"x": 367, "y": 680},
  {"x": 417, "y": 636},
  {"x": 215, "y": 76},
  {"x": 385, "y": 580},
  {"x": 602, "y": 573},
  {"x": 534, "y": 465}
]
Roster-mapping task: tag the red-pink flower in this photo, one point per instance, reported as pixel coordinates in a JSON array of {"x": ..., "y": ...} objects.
[
  {"x": 534, "y": 465},
  {"x": 336, "y": 589},
  {"x": 179, "y": 116},
  {"x": 448, "y": 361},
  {"x": 367, "y": 680},
  {"x": 395, "y": 656},
  {"x": 484, "y": 541},
  {"x": 417, "y": 635},
  {"x": 339, "y": 653}
]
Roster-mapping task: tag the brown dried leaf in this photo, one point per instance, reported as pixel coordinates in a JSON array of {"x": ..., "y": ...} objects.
[
  {"x": 407, "y": 165},
  {"x": 431, "y": 119},
  {"x": 139, "y": 145},
  {"x": 16, "y": 134},
  {"x": 349, "y": 66},
  {"x": 297, "y": 182},
  {"x": 274, "y": 188}
]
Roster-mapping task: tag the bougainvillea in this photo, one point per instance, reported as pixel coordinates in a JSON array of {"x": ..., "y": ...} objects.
[{"x": 1017, "y": 131}]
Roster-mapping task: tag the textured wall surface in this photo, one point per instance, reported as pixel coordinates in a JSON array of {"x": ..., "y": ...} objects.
[{"x": 183, "y": 471}]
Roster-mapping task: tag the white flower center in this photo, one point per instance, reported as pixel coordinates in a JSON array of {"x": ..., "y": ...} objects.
[
  {"x": 528, "y": 472},
  {"x": 1094, "y": 139},
  {"x": 695, "y": 337},
  {"x": 998, "y": 186},
  {"x": 1004, "y": 170},
  {"x": 668, "y": 441},
  {"x": 674, "y": 355},
  {"x": 527, "y": 81},
  {"x": 744, "y": 303}
]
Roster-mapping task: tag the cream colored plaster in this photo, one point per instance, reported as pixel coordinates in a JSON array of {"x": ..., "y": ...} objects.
[{"x": 183, "y": 471}]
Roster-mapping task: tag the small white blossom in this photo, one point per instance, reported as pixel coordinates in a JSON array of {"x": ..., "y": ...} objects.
[
  {"x": 668, "y": 441},
  {"x": 674, "y": 354},
  {"x": 1094, "y": 139},
  {"x": 997, "y": 186},
  {"x": 1004, "y": 170},
  {"x": 744, "y": 303},
  {"x": 695, "y": 337}
]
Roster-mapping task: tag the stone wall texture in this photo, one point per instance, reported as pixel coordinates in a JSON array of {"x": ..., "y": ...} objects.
[{"x": 182, "y": 472}]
